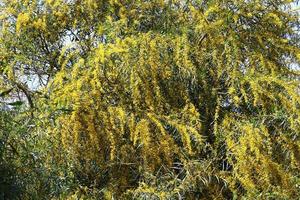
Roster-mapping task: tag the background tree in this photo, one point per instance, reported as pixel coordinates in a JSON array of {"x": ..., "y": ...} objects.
[{"x": 160, "y": 99}]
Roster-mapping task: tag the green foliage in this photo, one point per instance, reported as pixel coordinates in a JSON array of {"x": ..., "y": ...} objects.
[
  {"x": 24, "y": 166},
  {"x": 150, "y": 99}
]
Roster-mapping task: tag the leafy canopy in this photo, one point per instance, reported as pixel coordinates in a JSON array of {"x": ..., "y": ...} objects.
[{"x": 162, "y": 99}]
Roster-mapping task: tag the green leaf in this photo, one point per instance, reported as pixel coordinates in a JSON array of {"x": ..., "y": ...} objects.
[{"x": 16, "y": 103}]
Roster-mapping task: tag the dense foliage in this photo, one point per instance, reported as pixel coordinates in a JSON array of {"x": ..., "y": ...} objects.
[{"x": 153, "y": 99}]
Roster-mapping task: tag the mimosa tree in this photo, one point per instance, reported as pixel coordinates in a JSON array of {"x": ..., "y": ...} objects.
[{"x": 163, "y": 99}]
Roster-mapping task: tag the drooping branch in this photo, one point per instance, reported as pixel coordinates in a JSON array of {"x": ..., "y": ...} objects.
[{"x": 26, "y": 91}]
